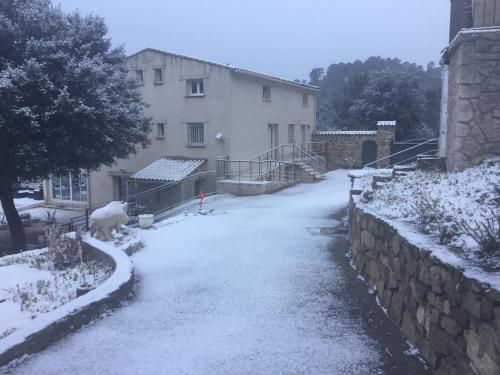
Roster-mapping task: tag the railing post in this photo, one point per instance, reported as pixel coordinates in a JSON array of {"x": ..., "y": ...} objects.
[
  {"x": 87, "y": 228},
  {"x": 239, "y": 171}
]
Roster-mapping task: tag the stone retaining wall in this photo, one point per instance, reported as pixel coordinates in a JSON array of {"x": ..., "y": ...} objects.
[
  {"x": 453, "y": 320},
  {"x": 55, "y": 325}
]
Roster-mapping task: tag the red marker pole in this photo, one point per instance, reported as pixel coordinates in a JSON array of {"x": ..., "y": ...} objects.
[{"x": 202, "y": 196}]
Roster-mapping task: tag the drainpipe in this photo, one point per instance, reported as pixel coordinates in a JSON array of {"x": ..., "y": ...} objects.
[{"x": 443, "y": 126}]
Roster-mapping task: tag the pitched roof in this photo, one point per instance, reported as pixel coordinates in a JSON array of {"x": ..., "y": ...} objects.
[
  {"x": 165, "y": 170},
  {"x": 234, "y": 69},
  {"x": 346, "y": 132}
]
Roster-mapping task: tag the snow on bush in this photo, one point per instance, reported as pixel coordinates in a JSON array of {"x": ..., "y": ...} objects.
[
  {"x": 37, "y": 282},
  {"x": 460, "y": 210}
]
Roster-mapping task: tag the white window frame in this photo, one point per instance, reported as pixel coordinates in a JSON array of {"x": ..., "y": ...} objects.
[
  {"x": 305, "y": 100},
  {"x": 160, "y": 76},
  {"x": 82, "y": 176},
  {"x": 291, "y": 133},
  {"x": 266, "y": 93},
  {"x": 139, "y": 76},
  {"x": 198, "y": 137},
  {"x": 160, "y": 130},
  {"x": 303, "y": 134},
  {"x": 200, "y": 87}
]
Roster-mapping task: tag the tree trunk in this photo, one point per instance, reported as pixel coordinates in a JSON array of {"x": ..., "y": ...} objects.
[{"x": 17, "y": 235}]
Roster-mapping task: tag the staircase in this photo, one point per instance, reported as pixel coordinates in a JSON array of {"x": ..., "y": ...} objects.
[{"x": 285, "y": 164}]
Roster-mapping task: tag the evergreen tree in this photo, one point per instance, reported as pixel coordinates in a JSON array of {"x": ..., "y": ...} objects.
[
  {"x": 66, "y": 103},
  {"x": 343, "y": 94}
]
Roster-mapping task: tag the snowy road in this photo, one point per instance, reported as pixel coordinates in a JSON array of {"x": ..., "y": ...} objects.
[{"x": 243, "y": 291}]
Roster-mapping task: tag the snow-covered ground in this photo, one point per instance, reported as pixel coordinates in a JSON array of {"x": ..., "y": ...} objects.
[
  {"x": 23, "y": 204},
  {"x": 242, "y": 290},
  {"x": 444, "y": 207},
  {"x": 30, "y": 287}
]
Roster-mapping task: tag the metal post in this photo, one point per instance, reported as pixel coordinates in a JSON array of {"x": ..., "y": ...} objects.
[{"x": 87, "y": 219}]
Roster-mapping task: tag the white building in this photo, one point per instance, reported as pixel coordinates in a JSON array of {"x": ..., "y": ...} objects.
[{"x": 200, "y": 110}]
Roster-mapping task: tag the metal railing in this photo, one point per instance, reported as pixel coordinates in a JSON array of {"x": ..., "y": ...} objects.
[
  {"x": 415, "y": 158},
  {"x": 156, "y": 200},
  {"x": 259, "y": 171},
  {"x": 375, "y": 163},
  {"x": 303, "y": 154},
  {"x": 168, "y": 196}
]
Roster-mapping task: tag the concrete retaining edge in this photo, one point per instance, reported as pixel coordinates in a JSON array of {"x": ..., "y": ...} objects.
[{"x": 52, "y": 326}]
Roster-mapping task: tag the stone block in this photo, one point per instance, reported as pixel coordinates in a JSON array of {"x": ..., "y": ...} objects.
[
  {"x": 396, "y": 245},
  {"x": 424, "y": 274},
  {"x": 472, "y": 304},
  {"x": 438, "y": 275},
  {"x": 367, "y": 240},
  {"x": 439, "y": 302},
  {"x": 418, "y": 290},
  {"x": 397, "y": 306},
  {"x": 440, "y": 340},
  {"x": 482, "y": 362},
  {"x": 409, "y": 328},
  {"x": 450, "y": 326}
]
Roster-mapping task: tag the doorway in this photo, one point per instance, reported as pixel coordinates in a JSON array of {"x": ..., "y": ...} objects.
[{"x": 369, "y": 153}]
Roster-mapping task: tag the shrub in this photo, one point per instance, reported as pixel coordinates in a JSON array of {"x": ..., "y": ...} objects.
[
  {"x": 486, "y": 234},
  {"x": 428, "y": 211},
  {"x": 63, "y": 251}
]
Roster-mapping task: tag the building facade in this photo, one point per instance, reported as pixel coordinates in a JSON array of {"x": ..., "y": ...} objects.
[
  {"x": 470, "y": 130},
  {"x": 200, "y": 110}
]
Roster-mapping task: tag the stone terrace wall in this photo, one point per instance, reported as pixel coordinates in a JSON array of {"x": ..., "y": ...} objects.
[
  {"x": 345, "y": 148},
  {"x": 474, "y": 98},
  {"x": 454, "y": 321}
]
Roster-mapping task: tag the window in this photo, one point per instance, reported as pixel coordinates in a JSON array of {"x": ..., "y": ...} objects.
[
  {"x": 195, "y": 87},
  {"x": 291, "y": 133},
  {"x": 139, "y": 75},
  {"x": 266, "y": 93},
  {"x": 70, "y": 187},
  {"x": 158, "y": 76},
  {"x": 160, "y": 130},
  {"x": 305, "y": 100},
  {"x": 196, "y": 134},
  {"x": 303, "y": 133}
]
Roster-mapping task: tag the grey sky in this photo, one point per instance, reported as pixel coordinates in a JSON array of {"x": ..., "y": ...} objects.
[{"x": 281, "y": 37}]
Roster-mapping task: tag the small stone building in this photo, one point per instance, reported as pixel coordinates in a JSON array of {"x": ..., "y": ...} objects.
[
  {"x": 471, "y": 125},
  {"x": 357, "y": 148}
]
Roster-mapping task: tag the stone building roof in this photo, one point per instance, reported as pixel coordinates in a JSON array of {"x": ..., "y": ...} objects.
[{"x": 165, "y": 170}]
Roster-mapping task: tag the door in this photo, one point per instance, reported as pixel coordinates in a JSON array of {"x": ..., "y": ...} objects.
[
  {"x": 369, "y": 153},
  {"x": 273, "y": 135},
  {"x": 303, "y": 134}
]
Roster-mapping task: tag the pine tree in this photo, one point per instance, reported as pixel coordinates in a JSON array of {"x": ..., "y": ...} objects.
[{"x": 66, "y": 103}]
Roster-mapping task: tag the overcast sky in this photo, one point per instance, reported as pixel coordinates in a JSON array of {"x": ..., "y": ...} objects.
[{"x": 286, "y": 38}]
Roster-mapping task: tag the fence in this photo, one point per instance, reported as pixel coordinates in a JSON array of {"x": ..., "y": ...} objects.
[
  {"x": 258, "y": 171},
  {"x": 155, "y": 201}
]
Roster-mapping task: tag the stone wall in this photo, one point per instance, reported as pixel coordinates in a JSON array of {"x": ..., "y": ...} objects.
[
  {"x": 345, "y": 148},
  {"x": 454, "y": 321},
  {"x": 474, "y": 98}
]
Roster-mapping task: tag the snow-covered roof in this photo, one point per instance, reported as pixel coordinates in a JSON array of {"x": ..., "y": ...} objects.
[
  {"x": 234, "y": 69},
  {"x": 346, "y": 132},
  {"x": 386, "y": 123},
  {"x": 168, "y": 170}
]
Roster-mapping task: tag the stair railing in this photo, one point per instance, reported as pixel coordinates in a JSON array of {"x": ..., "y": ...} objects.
[{"x": 376, "y": 162}]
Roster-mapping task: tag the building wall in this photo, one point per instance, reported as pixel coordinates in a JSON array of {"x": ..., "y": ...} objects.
[
  {"x": 486, "y": 13},
  {"x": 232, "y": 106},
  {"x": 474, "y": 98},
  {"x": 345, "y": 149},
  {"x": 251, "y": 115}
]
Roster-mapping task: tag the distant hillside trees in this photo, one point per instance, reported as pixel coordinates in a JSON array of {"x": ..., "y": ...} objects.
[{"x": 357, "y": 95}]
